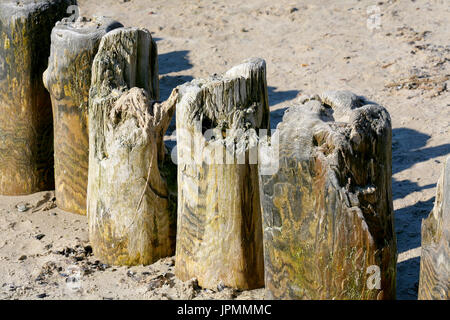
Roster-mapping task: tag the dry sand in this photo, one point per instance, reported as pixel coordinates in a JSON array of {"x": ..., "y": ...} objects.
[{"x": 309, "y": 46}]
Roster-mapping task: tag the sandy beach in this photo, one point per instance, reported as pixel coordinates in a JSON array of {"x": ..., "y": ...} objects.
[{"x": 395, "y": 53}]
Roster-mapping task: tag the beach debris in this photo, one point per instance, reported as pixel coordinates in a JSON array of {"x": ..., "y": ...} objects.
[{"x": 22, "y": 207}]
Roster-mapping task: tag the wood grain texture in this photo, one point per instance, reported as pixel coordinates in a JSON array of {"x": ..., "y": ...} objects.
[
  {"x": 130, "y": 207},
  {"x": 327, "y": 212},
  {"x": 434, "y": 283},
  {"x": 26, "y": 130},
  {"x": 219, "y": 238},
  {"x": 68, "y": 79}
]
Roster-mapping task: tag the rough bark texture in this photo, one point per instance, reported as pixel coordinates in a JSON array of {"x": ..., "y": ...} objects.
[
  {"x": 129, "y": 205},
  {"x": 327, "y": 212},
  {"x": 434, "y": 281},
  {"x": 219, "y": 239},
  {"x": 26, "y": 131},
  {"x": 68, "y": 79}
]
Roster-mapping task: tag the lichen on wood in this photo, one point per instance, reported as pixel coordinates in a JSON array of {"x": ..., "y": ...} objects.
[
  {"x": 129, "y": 205},
  {"x": 434, "y": 283},
  {"x": 26, "y": 131},
  {"x": 219, "y": 238},
  {"x": 68, "y": 79},
  {"x": 327, "y": 212}
]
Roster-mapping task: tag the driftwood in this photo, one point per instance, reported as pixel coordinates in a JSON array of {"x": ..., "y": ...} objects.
[
  {"x": 26, "y": 148},
  {"x": 68, "y": 79},
  {"x": 130, "y": 211},
  {"x": 327, "y": 212},
  {"x": 434, "y": 283},
  {"x": 219, "y": 238}
]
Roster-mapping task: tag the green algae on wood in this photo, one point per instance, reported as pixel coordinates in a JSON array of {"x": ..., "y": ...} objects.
[
  {"x": 26, "y": 130},
  {"x": 68, "y": 79},
  {"x": 219, "y": 238},
  {"x": 434, "y": 283},
  {"x": 129, "y": 207},
  {"x": 327, "y": 212}
]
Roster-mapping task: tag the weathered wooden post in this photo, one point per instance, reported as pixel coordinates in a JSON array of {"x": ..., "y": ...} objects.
[
  {"x": 219, "y": 238},
  {"x": 26, "y": 131},
  {"x": 130, "y": 216},
  {"x": 434, "y": 283},
  {"x": 68, "y": 79},
  {"x": 328, "y": 213}
]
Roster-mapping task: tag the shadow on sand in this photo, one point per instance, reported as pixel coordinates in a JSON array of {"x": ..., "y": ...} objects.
[{"x": 174, "y": 61}]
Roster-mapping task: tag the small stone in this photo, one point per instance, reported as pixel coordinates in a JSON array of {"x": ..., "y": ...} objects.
[
  {"x": 42, "y": 295},
  {"x": 104, "y": 266},
  {"x": 194, "y": 283},
  {"x": 155, "y": 284},
  {"x": 221, "y": 287},
  {"x": 21, "y": 207},
  {"x": 22, "y": 258},
  {"x": 79, "y": 258},
  {"x": 40, "y": 236},
  {"x": 88, "y": 250},
  {"x": 170, "y": 262}
]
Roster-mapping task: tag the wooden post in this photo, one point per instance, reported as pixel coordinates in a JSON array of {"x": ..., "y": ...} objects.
[
  {"x": 26, "y": 132},
  {"x": 131, "y": 217},
  {"x": 219, "y": 238},
  {"x": 434, "y": 283},
  {"x": 68, "y": 79},
  {"x": 327, "y": 211}
]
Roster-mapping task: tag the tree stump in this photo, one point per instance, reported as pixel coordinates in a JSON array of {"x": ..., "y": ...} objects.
[
  {"x": 434, "y": 283},
  {"x": 131, "y": 217},
  {"x": 219, "y": 238},
  {"x": 68, "y": 79},
  {"x": 26, "y": 131},
  {"x": 327, "y": 212}
]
